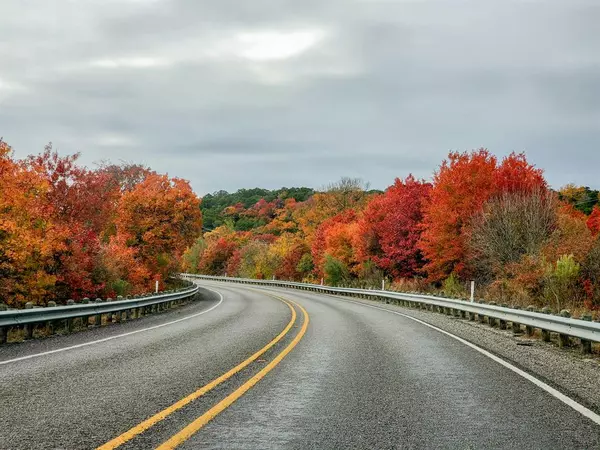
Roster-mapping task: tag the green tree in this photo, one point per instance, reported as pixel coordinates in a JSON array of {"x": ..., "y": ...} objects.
[{"x": 335, "y": 271}]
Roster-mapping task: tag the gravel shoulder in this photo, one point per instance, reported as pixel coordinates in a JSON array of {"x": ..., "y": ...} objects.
[{"x": 567, "y": 370}]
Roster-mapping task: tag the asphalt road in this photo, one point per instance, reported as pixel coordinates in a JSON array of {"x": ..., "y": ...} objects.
[{"x": 360, "y": 378}]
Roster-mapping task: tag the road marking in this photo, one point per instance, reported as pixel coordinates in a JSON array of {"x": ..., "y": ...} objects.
[
  {"x": 555, "y": 393},
  {"x": 143, "y": 426},
  {"x": 85, "y": 344},
  {"x": 184, "y": 434}
]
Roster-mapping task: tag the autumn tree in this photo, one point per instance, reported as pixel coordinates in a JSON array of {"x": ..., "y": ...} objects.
[
  {"x": 126, "y": 176},
  {"x": 389, "y": 230},
  {"x": 591, "y": 273},
  {"x": 509, "y": 226},
  {"x": 344, "y": 195},
  {"x": 221, "y": 244},
  {"x": 581, "y": 198},
  {"x": 122, "y": 271},
  {"x": 256, "y": 261},
  {"x": 323, "y": 238},
  {"x": 159, "y": 218},
  {"x": 571, "y": 236},
  {"x": 288, "y": 251},
  {"x": 82, "y": 205},
  {"x": 593, "y": 221},
  {"x": 191, "y": 257},
  {"x": 462, "y": 185},
  {"x": 283, "y": 222},
  {"x": 30, "y": 241},
  {"x": 340, "y": 243},
  {"x": 515, "y": 175}
]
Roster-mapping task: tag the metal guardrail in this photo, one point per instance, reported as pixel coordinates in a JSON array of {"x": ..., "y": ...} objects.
[
  {"x": 585, "y": 330},
  {"x": 131, "y": 308}
]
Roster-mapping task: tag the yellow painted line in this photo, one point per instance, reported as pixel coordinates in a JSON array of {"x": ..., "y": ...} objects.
[
  {"x": 143, "y": 426},
  {"x": 187, "y": 432}
]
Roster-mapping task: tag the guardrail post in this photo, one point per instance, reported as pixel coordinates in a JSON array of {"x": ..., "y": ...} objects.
[
  {"x": 3, "y": 330},
  {"x": 69, "y": 322},
  {"x": 111, "y": 317},
  {"x": 118, "y": 316},
  {"x": 85, "y": 320},
  {"x": 491, "y": 320},
  {"x": 98, "y": 317},
  {"x": 28, "y": 328},
  {"x": 502, "y": 322},
  {"x": 586, "y": 346},
  {"x": 50, "y": 324},
  {"x": 516, "y": 327},
  {"x": 471, "y": 316},
  {"x": 546, "y": 333},
  {"x": 123, "y": 315},
  {"x": 563, "y": 339},
  {"x": 528, "y": 328}
]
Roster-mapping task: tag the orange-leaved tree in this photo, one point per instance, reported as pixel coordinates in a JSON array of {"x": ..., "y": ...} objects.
[
  {"x": 332, "y": 236},
  {"x": 159, "y": 218},
  {"x": 30, "y": 241},
  {"x": 460, "y": 188}
]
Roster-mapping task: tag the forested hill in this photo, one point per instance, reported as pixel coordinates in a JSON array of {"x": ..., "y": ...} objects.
[
  {"x": 223, "y": 207},
  {"x": 214, "y": 205}
]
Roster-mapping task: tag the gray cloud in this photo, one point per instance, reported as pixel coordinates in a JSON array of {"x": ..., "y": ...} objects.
[{"x": 267, "y": 93}]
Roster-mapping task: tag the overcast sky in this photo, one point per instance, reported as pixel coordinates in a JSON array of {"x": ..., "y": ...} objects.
[{"x": 271, "y": 93}]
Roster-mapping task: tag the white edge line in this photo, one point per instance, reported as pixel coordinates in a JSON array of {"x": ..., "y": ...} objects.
[
  {"x": 110, "y": 338},
  {"x": 555, "y": 393}
]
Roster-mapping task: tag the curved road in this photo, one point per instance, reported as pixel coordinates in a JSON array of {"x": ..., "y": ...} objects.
[{"x": 360, "y": 377}]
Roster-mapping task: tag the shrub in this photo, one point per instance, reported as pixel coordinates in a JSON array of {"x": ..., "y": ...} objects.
[
  {"x": 560, "y": 281},
  {"x": 453, "y": 287},
  {"x": 335, "y": 271}
]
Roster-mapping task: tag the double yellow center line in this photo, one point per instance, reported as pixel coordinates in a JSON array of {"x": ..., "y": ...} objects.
[{"x": 197, "y": 424}]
